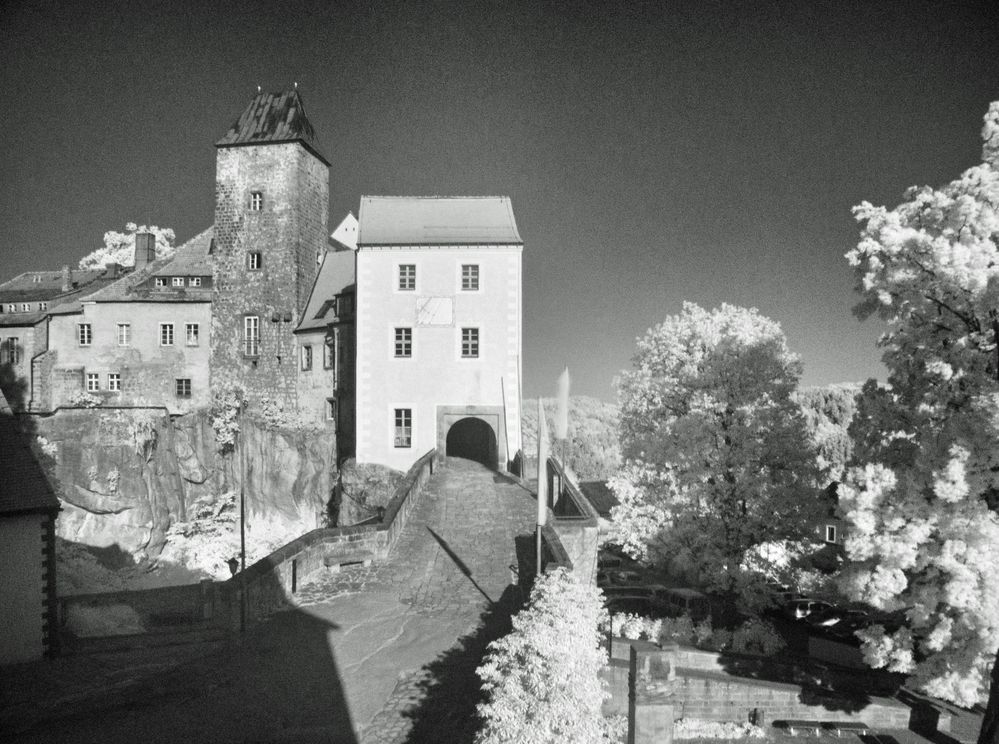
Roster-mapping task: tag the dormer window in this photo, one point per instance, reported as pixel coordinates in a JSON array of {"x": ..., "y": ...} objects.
[
  {"x": 195, "y": 281},
  {"x": 36, "y": 278},
  {"x": 161, "y": 281},
  {"x": 178, "y": 281},
  {"x": 43, "y": 306},
  {"x": 256, "y": 201}
]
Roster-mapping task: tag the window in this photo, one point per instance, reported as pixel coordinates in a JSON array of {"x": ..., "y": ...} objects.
[
  {"x": 161, "y": 281},
  {"x": 256, "y": 201},
  {"x": 331, "y": 409},
  {"x": 25, "y": 307},
  {"x": 469, "y": 343},
  {"x": 114, "y": 382},
  {"x": 404, "y": 342},
  {"x": 84, "y": 334},
  {"x": 254, "y": 261},
  {"x": 11, "y": 308},
  {"x": 194, "y": 281},
  {"x": 329, "y": 353},
  {"x": 43, "y": 306},
  {"x": 192, "y": 330},
  {"x": 93, "y": 382},
  {"x": 184, "y": 387},
  {"x": 469, "y": 277},
  {"x": 178, "y": 281},
  {"x": 831, "y": 533},
  {"x": 124, "y": 334},
  {"x": 36, "y": 278},
  {"x": 403, "y": 427},
  {"x": 166, "y": 334},
  {"x": 407, "y": 277},
  {"x": 306, "y": 357},
  {"x": 11, "y": 351},
  {"x": 251, "y": 336}
]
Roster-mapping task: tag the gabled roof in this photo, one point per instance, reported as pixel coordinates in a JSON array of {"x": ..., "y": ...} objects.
[
  {"x": 335, "y": 276},
  {"x": 345, "y": 235},
  {"x": 436, "y": 220},
  {"x": 273, "y": 118},
  {"x": 191, "y": 258},
  {"x": 23, "y": 486},
  {"x": 85, "y": 283}
]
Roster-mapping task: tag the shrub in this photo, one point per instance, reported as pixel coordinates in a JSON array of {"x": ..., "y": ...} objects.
[
  {"x": 756, "y": 636},
  {"x": 227, "y": 403},
  {"x": 542, "y": 680},
  {"x": 690, "y": 728},
  {"x": 84, "y": 400}
]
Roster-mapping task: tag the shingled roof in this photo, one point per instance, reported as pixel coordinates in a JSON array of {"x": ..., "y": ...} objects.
[
  {"x": 23, "y": 486},
  {"x": 274, "y": 118},
  {"x": 436, "y": 220}
]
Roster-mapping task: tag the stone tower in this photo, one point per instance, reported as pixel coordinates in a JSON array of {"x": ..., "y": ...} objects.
[{"x": 271, "y": 210}]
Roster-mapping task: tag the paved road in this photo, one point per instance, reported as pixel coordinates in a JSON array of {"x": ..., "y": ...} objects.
[{"x": 377, "y": 655}]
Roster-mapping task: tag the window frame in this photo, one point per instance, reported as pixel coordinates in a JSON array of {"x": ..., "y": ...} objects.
[
  {"x": 25, "y": 307},
  {"x": 85, "y": 334},
  {"x": 160, "y": 282},
  {"x": 305, "y": 357},
  {"x": 254, "y": 261},
  {"x": 248, "y": 338},
  {"x": 183, "y": 387},
  {"x": 331, "y": 409},
  {"x": 402, "y": 342},
  {"x": 92, "y": 382},
  {"x": 831, "y": 529},
  {"x": 114, "y": 382},
  {"x": 256, "y": 201},
  {"x": 473, "y": 277},
  {"x": 194, "y": 281},
  {"x": 470, "y": 346},
  {"x": 329, "y": 352},
  {"x": 402, "y": 420},
  {"x": 405, "y": 281},
  {"x": 127, "y": 328},
  {"x": 196, "y": 327},
  {"x": 168, "y": 328}
]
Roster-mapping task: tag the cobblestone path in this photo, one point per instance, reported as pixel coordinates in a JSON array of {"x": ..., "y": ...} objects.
[
  {"x": 377, "y": 655},
  {"x": 446, "y": 590}
]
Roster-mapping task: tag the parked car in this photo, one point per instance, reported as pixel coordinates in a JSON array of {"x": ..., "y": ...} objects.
[
  {"x": 834, "y": 616},
  {"x": 799, "y": 609},
  {"x": 618, "y": 576},
  {"x": 845, "y": 630}
]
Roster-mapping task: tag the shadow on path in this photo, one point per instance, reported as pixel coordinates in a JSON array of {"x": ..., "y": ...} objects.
[{"x": 459, "y": 563}]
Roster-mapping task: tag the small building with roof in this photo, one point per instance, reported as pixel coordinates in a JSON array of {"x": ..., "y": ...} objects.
[
  {"x": 438, "y": 329},
  {"x": 28, "y": 511}
]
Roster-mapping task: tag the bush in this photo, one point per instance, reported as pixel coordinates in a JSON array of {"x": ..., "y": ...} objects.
[
  {"x": 542, "y": 680},
  {"x": 757, "y": 637}
]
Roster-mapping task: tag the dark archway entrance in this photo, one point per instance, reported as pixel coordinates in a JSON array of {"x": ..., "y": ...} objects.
[{"x": 472, "y": 439}]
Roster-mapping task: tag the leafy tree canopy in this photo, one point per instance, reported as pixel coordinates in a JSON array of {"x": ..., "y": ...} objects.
[
  {"x": 119, "y": 247},
  {"x": 922, "y": 535},
  {"x": 717, "y": 459}
]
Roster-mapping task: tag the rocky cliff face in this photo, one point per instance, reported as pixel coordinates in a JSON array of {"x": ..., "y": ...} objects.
[{"x": 124, "y": 476}]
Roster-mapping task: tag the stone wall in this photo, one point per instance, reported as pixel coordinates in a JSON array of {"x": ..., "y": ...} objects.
[{"x": 288, "y": 232}]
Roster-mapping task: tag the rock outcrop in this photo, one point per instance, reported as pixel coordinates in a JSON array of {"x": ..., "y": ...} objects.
[{"x": 124, "y": 476}]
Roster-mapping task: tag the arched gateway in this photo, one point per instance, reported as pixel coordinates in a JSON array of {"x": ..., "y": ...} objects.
[{"x": 473, "y": 439}]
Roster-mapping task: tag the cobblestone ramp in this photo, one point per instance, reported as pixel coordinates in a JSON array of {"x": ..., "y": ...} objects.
[{"x": 424, "y": 616}]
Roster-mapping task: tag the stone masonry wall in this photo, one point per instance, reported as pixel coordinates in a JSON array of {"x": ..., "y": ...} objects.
[{"x": 288, "y": 231}]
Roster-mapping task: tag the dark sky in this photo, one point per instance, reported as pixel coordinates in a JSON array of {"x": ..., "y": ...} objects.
[{"x": 655, "y": 152}]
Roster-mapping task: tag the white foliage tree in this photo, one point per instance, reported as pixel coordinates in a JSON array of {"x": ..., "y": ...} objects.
[
  {"x": 923, "y": 532},
  {"x": 717, "y": 461},
  {"x": 119, "y": 247},
  {"x": 542, "y": 680}
]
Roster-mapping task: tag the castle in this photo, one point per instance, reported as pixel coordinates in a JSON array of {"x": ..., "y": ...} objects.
[{"x": 401, "y": 330}]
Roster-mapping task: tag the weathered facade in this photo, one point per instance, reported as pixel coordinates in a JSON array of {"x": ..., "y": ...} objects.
[
  {"x": 271, "y": 213},
  {"x": 143, "y": 340}
]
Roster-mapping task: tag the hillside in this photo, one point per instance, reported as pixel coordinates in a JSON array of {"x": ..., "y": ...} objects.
[{"x": 594, "y": 453}]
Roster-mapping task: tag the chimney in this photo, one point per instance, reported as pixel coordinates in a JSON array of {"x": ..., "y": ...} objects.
[
  {"x": 67, "y": 278},
  {"x": 145, "y": 249},
  {"x": 112, "y": 270}
]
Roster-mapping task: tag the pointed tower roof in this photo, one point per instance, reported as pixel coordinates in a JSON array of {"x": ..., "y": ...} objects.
[{"x": 273, "y": 118}]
